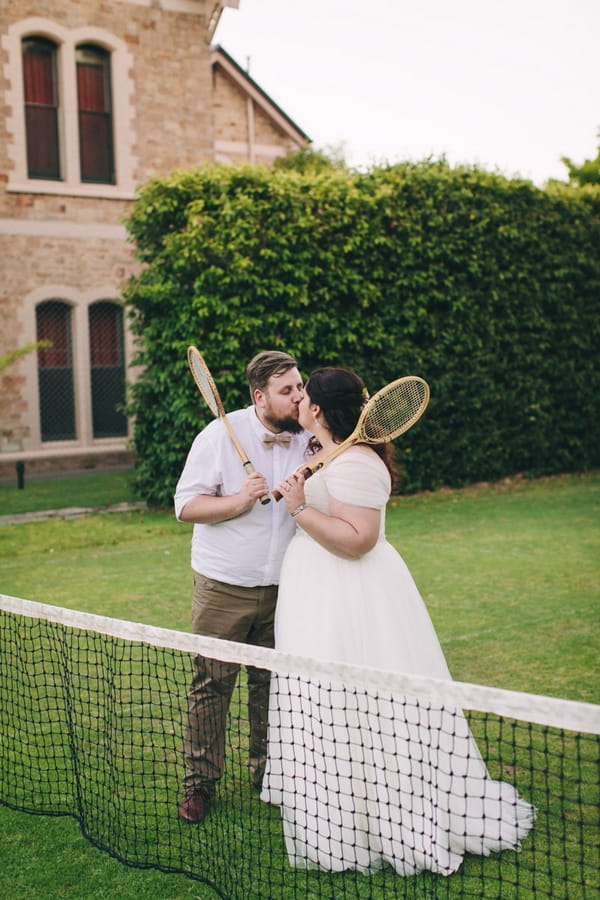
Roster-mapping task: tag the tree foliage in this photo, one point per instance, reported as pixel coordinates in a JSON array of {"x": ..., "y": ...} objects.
[
  {"x": 588, "y": 172},
  {"x": 308, "y": 159},
  {"x": 7, "y": 358},
  {"x": 486, "y": 287}
]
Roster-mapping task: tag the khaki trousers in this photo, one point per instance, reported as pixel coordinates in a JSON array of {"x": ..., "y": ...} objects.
[{"x": 233, "y": 613}]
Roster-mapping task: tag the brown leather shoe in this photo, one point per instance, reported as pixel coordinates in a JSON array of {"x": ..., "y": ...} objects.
[{"x": 194, "y": 806}]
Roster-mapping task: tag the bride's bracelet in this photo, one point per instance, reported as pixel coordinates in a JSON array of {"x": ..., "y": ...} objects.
[{"x": 298, "y": 510}]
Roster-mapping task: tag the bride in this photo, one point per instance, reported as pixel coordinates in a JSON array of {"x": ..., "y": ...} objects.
[{"x": 373, "y": 778}]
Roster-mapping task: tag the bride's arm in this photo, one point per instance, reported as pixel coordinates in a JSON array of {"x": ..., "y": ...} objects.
[{"x": 348, "y": 531}]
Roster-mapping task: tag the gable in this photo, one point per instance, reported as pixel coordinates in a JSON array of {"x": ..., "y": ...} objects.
[{"x": 249, "y": 125}]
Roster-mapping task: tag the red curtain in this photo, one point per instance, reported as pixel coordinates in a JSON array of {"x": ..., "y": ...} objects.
[
  {"x": 90, "y": 87},
  {"x": 41, "y": 113},
  {"x": 53, "y": 325},
  {"x": 38, "y": 74},
  {"x": 104, "y": 335},
  {"x": 95, "y": 120}
]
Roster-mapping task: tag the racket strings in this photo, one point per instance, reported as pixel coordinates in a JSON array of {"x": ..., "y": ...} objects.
[
  {"x": 204, "y": 385},
  {"x": 395, "y": 409}
]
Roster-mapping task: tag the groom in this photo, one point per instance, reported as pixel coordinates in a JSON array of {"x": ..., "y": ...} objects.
[{"x": 238, "y": 545}]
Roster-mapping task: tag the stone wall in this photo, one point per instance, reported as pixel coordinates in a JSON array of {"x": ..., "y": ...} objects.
[{"x": 65, "y": 240}]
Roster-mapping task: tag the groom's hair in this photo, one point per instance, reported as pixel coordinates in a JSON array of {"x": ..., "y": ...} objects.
[{"x": 266, "y": 364}]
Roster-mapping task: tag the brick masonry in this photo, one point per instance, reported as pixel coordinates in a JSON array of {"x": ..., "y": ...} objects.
[{"x": 174, "y": 107}]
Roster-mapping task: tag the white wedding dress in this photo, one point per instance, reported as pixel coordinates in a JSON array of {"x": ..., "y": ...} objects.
[{"x": 364, "y": 777}]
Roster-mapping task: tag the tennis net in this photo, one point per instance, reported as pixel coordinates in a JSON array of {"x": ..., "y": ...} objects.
[{"x": 93, "y": 714}]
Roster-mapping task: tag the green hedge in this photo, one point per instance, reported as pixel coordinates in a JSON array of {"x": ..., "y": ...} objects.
[{"x": 487, "y": 287}]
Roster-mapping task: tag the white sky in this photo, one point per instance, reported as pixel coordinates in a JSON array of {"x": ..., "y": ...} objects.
[{"x": 508, "y": 85}]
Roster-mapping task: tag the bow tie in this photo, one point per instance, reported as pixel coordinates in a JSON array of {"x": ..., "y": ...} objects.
[{"x": 270, "y": 439}]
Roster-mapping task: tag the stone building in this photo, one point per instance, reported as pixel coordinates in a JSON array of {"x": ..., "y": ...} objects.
[{"x": 96, "y": 98}]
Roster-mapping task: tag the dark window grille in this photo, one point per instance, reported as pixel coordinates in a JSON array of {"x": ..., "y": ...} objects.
[
  {"x": 41, "y": 108},
  {"x": 107, "y": 359},
  {"x": 55, "y": 372},
  {"x": 95, "y": 115}
]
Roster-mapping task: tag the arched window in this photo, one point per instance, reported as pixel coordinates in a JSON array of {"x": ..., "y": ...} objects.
[
  {"x": 95, "y": 115},
  {"x": 55, "y": 372},
  {"x": 69, "y": 110},
  {"x": 107, "y": 360},
  {"x": 40, "y": 90}
]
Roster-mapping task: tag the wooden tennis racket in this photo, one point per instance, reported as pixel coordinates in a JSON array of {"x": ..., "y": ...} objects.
[
  {"x": 208, "y": 389},
  {"x": 389, "y": 413}
]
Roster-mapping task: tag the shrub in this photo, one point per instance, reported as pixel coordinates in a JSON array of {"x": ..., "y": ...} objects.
[{"x": 486, "y": 287}]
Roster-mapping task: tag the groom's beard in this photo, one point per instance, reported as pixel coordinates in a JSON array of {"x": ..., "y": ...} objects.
[{"x": 288, "y": 423}]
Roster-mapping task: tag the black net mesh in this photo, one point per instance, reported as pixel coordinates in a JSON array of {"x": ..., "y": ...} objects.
[{"x": 374, "y": 781}]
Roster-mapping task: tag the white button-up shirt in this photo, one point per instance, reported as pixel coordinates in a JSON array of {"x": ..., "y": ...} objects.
[{"x": 249, "y": 549}]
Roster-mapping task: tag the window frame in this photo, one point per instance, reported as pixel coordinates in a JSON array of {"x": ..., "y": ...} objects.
[
  {"x": 107, "y": 370},
  {"x": 41, "y": 116},
  {"x": 80, "y": 302},
  {"x": 56, "y": 371},
  {"x": 87, "y": 117},
  {"x": 121, "y": 68}
]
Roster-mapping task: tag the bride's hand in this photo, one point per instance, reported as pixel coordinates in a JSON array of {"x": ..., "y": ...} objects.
[{"x": 292, "y": 491}]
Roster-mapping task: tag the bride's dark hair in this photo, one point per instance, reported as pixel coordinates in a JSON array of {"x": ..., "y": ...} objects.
[{"x": 341, "y": 394}]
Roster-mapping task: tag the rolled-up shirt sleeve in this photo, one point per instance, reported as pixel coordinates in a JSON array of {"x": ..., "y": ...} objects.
[
  {"x": 201, "y": 473},
  {"x": 247, "y": 549}
]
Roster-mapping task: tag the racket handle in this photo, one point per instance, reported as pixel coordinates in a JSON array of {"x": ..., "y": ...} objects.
[
  {"x": 266, "y": 498},
  {"x": 307, "y": 472}
]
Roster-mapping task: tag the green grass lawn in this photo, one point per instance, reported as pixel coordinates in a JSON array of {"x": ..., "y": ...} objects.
[
  {"x": 85, "y": 490},
  {"x": 509, "y": 573}
]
